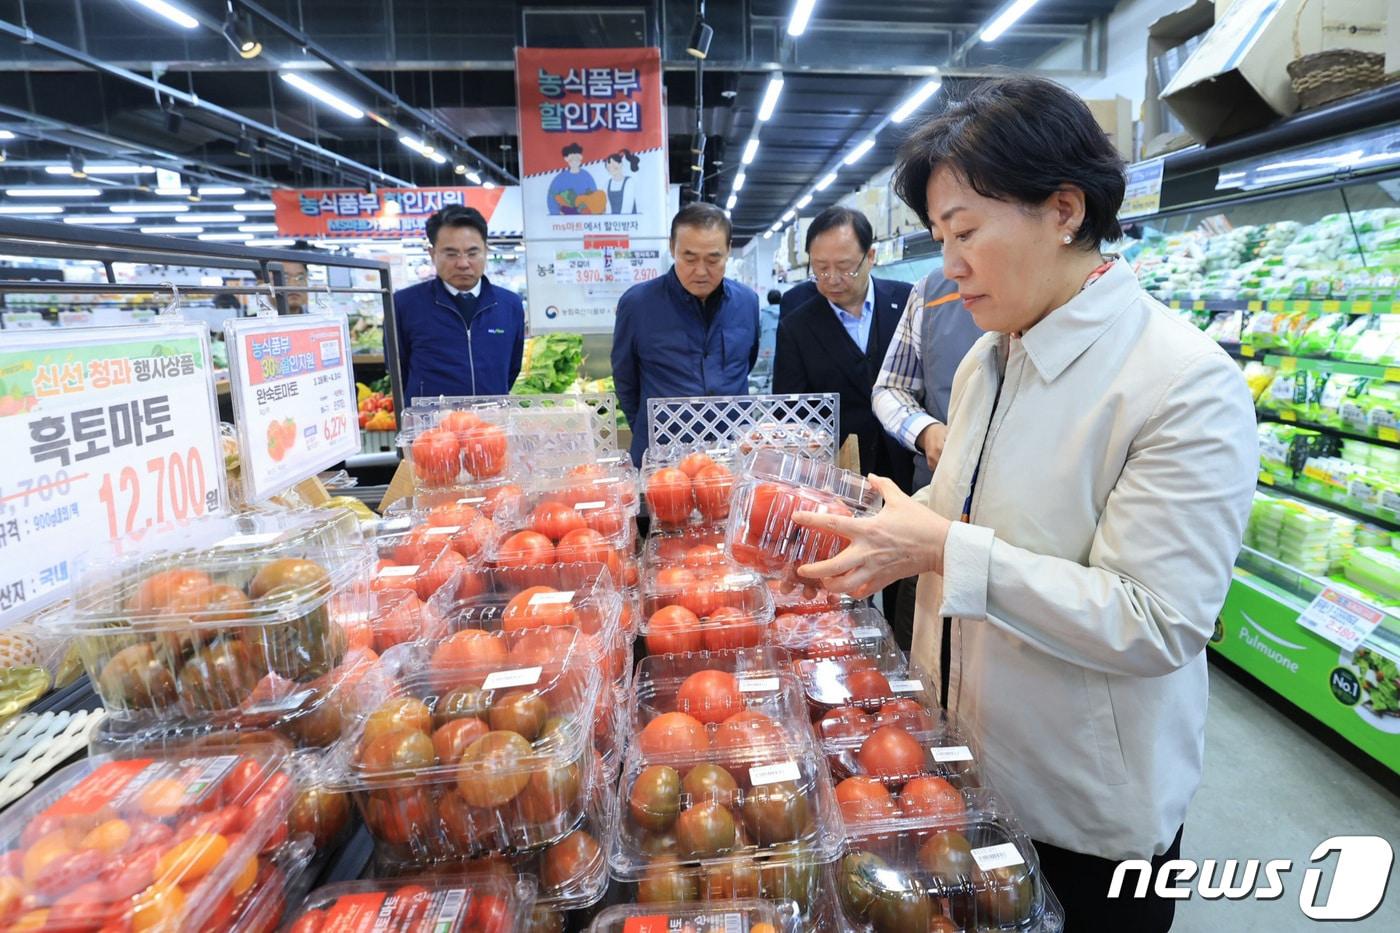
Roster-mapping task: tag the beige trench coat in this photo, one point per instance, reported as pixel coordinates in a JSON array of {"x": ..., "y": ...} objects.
[{"x": 1115, "y": 483}]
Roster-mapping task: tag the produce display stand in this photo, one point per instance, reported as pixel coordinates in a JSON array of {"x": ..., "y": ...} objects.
[
  {"x": 722, "y": 419},
  {"x": 1335, "y": 161}
]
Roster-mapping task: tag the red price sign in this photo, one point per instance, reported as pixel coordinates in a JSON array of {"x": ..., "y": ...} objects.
[
  {"x": 174, "y": 490},
  {"x": 1341, "y": 619}
]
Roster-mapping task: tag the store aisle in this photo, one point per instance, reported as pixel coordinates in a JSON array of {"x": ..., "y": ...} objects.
[{"x": 1273, "y": 791}]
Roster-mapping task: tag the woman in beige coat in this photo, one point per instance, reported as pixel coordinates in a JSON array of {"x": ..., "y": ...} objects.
[{"x": 1076, "y": 543}]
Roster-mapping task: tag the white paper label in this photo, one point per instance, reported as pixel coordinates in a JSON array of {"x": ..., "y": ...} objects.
[
  {"x": 396, "y": 524},
  {"x": 599, "y": 481},
  {"x": 248, "y": 540},
  {"x": 866, "y": 631},
  {"x": 1341, "y": 619},
  {"x": 443, "y": 530},
  {"x": 951, "y": 753},
  {"x": 521, "y": 677},
  {"x": 398, "y": 571},
  {"x": 1002, "y": 856},
  {"x": 552, "y": 599},
  {"x": 906, "y": 686},
  {"x": 588, "y": 506},
  {"x": 758, "y": 685},
  {"x": 773, "y": 774},
  {"x": 737, "y": 579},
  {"x": 472, "y": 500}
]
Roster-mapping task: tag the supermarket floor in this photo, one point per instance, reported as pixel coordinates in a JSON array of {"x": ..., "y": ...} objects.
[{"x": 1274, "y": 790}]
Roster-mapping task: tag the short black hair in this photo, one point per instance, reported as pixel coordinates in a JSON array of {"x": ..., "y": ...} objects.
[
  {"x": 774, "y": 296},
  {"x": 572, "y": 148},
  {"x": 1018, "y": 139},
  {"x": 456, "y": 215},
  {"x": 704, "y": 215},
  {"x": 836, "y": 216}
]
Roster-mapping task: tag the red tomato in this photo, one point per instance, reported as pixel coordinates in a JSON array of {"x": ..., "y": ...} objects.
[
  {"x": 435, "y": 460},
  {"x": 673, "y": 732},
  {"x": 669, "y": 496},
  {"x": 891, "y": 753},
  {"x": 383, "y": 582},
  {"x": 770, "y": 518},
  {"x": 907, "y": 713},
  {"x": 710, "y": 696},
  {"x": 469, "y": 648},
  {"x": 931, "y": 796},
  {"x": 703, "y": 555},
  {"x": 489, "y": 914},
  {"x": 397, "y": 617},
  {"x": 586, "y": 546},
  {"x": 525, "y": 610},
  {"x": 867, "y": 686},
  {"x": 525, "y": 549},
  {"x": 607, "y": 520},
  {"x": 245, "y": 778},
  {"x": 694, "y": 463},
  {"x": 545, "y": 647},
  {"x": 704, "y": 597},
  {"x": 730, "y": 628},
  {"x": 435, "y": 575},
  {"x": 484, "y": 451},
  {"x": 673, "y": 630},
  {"x": 748, "y": 729},
  {"x": 845, "y": 722},
  {"x": 475, "y": 529},
  {"x": 673, "y": 581},
  {"x": 494, "y": 499},
  {"x": 864, "y": 799},
  {"x": 458, "y": 422},
  {"x": 712, "y": 485},
  {"x": 555, "y": 519},
  {"x": 418, "y": 547}
]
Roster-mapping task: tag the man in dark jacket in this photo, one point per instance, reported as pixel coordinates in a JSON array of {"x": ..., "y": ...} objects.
[
  {"x": 834, "y": 338},
  {"x": 458, "y": 334},
  {"x": 690, "y": 332}
]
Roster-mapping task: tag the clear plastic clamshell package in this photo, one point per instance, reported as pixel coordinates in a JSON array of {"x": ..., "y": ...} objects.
[
  {"x": 686, "y": 483},
  {"x": 747, "y": 915},
  {"x": 163, "y": 844},
  {"x": 476, "y": 904},
  {"x": 485, "y": 497},
  {"x": 761, "y": 533},
  {"x": 570, "y": 520},
  {"x": 481, "y": 743},
  {"x": 693, "y": 546},
  {"x": 853, "y": 632},
  {"x": 222, "y": 618},
  {"x": 971, "y": 871},
  {"x": 711, "y": 687},
  {"x": 792, "y": 437},
  {"x": 803, "y": 600},
  {"x": 450, "y": 446},
  {"x": 420, "y": 558},
  {"x": 709, "y": 608}
]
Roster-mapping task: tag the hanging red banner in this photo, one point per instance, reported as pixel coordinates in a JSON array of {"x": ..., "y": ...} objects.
[{"x": 388, "y": 213}]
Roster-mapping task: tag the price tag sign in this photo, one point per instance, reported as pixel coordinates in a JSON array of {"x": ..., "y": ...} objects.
[
  {"x": 293, "y": 397},
  {"x": 1143, "y": 195},
  {"x": 999, "y": 856},
  {"x": 520, "y": 677},
  {"x": 108, "y": 433},
  {"x": 1341, "y": 619}
]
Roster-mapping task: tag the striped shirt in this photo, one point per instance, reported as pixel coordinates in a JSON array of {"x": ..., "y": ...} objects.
[{"x": 898, "y": 396}]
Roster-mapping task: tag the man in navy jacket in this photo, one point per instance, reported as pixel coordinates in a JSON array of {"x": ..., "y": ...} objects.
[
  {"x": 458, "y": 333},
  {"x": 691, "y": 332}
]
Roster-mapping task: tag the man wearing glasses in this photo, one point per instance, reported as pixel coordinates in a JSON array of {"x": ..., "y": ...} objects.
[{"x": 458, "y": 333}]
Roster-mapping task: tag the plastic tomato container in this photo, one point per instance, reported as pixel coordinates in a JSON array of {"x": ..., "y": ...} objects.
[
  {"x": 973, "y": 871},
  {"x": 479, "y": 904},
  {"x": 481, "y": 743},
  {"x": 859, "y": 631},
  {"x": 485, "y": 497},
  {"x": 449, "y": 446},
  {"x": 712, "y": 609},
  {"x": 686, "y": 483},
  {"x": 422, "y": 558},
  {"x": 712, "y": 686},
  {"x": 220, "y": 615},
  {"x": 868, "y": 681},
  {"x": 761, "y": 533},
  {"x": 788, "y": 437},
  {"x": 694, "y": 547},
  {"x": 157, "y": 843},
  {"x": 569, "y": 520},
  {"x": 805, "y": 599},
  {"x": 730, "y": 916}
]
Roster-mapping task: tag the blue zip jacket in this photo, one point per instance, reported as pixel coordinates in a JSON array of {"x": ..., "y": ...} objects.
[
  {"x": 662, "y": 348},
  {"x": 442, "y": 354}
]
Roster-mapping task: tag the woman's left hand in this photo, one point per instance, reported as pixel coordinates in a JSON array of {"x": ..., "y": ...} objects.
[{"x": 904, "y": 539}]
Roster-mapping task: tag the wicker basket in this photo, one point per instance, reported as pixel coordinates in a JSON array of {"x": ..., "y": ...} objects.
[{"x": 1323, "y": 77}]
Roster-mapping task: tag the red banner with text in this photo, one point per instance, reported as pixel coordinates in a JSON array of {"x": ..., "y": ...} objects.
[{"x": 388, "y": 213}]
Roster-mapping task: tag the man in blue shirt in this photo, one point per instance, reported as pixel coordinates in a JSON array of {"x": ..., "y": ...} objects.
[
  {"x": 458, "y": 334},
  {"x": 690, "y": 332}
]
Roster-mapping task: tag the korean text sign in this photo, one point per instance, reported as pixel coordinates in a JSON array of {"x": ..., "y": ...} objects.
[
  {"x": 294, "y": 397},
  {"x": 594, "y": 179},
  {"x": 109, "y": 433},
  {"x": 389, "y": 213}
]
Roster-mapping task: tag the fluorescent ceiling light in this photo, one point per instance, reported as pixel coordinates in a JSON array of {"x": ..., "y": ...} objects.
[
  {"x": 255, "y": 207},
  {"x": 40, "y": 191},
  {"x": 89, "y": 168},
  {"x": 788, "y": 216},
  {"x": 97, "y": 219},
  {"x": 801, "y": 15},
  {"x": 739, "y": 180},
  {"x": 473, "y": 177},
  {"x": 423, "y": 149},
  {"x": 211, "y": 218},
  {"x": 226, "y": 236},
  {"x": 204, "y": 191},
  {"x": 768, "y": 234},
  {"x": 750, "y": 150},
  {"x": 488, "y": 185},
  {"x": 916, "y": 100},
  {"x": 826, "y": 181},
  {"x": 30, "y": 209},
  {"x": 258, "y": 228},
  {"x": 6, "y": 134},
  {"x": 733, "y": 199},
  {"x": 777, "y": 225},
  {"x": 171, "y": 12},
  {"x": 806, "y": 199},
  {"x": 770, "y": 98},
  {"x": 323, "y": 94},
  {"x": 996, "y": 27},
  {"x": 856, "y": 154},
  {"x": 170, "y": 228},
  {"x": 148, "y": 208}
]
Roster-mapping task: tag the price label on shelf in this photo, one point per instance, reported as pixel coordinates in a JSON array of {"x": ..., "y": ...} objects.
[
  {"x": 109, "y": 434},
  {"x": 1143, "y": 194},
  {"x": 294, "y": 399},
  {"x": 1341, "y": 619}
]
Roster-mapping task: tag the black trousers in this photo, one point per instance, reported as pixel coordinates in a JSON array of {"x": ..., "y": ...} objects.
[{"x": 1081, "y": 883}]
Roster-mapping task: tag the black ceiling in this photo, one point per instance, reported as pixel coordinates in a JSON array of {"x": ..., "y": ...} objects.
[{"x": 453, "y": 58}]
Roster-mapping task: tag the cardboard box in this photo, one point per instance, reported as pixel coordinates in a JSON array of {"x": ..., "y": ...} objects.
[
  {"x": 1115, "y": 116},
  {"x": 1392, "y": 38},
  {"x": 1345, "y": 24},
  {"x": 1164, "y": 38}
]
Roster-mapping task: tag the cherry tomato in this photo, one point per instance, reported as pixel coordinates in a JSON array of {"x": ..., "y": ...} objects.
[
  {"x": 891, "y": 753},
  {"x": 309, "y": 922},
  {"x": 672, "y": 630},
  {"x": 489, "y": 914},
  {"x": 669, "y": 496},
  {"x": 673, "y": 732},
  {"x": 710, "y": 696}
]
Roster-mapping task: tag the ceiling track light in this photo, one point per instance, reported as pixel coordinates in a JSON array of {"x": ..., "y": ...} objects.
[
  {"x": 701, "y": 34},
  {"x": 238, "y": 30},
  {"x": 194, "y": 193},
  {"x": 243, "y": 145},
  {"x": 75, "y": 165}
]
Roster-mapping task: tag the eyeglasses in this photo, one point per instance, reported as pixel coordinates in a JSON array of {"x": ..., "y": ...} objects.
[
  {"x": 838, "y": 275},
  {"x": 452, "y": 255}
]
